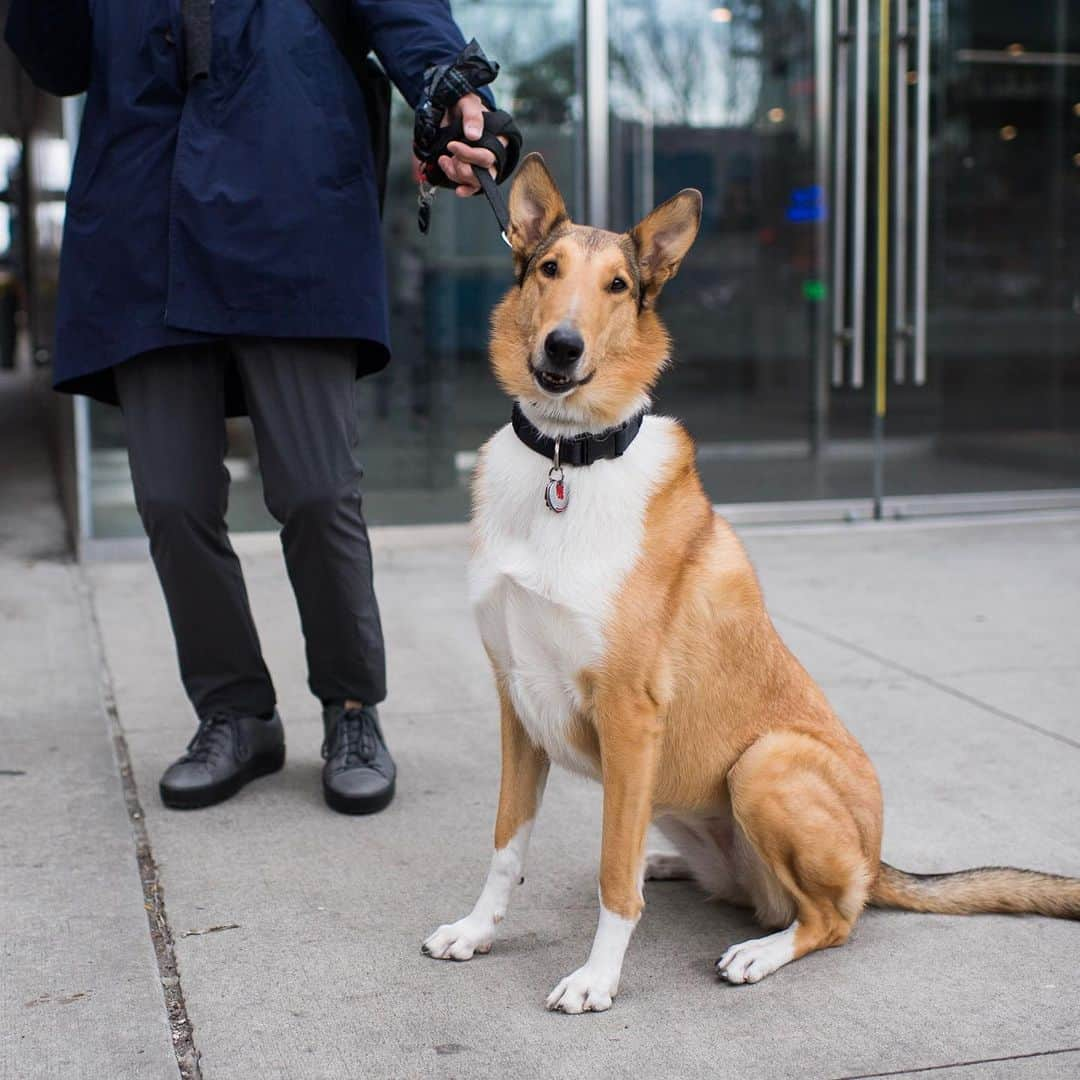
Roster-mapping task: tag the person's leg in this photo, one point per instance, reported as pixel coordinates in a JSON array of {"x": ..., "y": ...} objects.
[
  {"x": 173, "y": 405},
  {"x": 302, "y": 397}
]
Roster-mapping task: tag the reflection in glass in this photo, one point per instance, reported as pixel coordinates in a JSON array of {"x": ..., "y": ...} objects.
[
  {"x": 424, "y": 417},
  {"x": 726, "y": 103}
]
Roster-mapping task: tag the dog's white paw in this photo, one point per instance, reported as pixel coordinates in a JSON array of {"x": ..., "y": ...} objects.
[
  {"x": 586, "y": 990},
  {"x": 751, "y": 961},
  {"x": 666, "y": 866},
  {"x": 461, "y": 940}
]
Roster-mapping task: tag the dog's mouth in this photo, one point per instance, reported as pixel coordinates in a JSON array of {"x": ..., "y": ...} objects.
[{"x": 555, "y": 383}]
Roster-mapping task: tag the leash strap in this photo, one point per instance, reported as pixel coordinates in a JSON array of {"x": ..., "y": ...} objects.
[
  {"x": 495, "y": 199},
  {"x": 577, "y": 449}
]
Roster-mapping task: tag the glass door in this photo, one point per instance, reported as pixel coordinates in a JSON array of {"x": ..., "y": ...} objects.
[
  {"x": 984, "y": 372},
  {"x": 883, "y": 304},
  {"x": 735, "y": 99}
]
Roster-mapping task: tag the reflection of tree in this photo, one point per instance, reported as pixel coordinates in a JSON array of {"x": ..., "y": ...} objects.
[
  {"x": 546, "y": 87},
  {"x": 535, "y": 42},
  {"x": 671, "y": 59}
]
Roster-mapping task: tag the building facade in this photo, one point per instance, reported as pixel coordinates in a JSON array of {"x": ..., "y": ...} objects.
[{"x": 882, "y": 312}]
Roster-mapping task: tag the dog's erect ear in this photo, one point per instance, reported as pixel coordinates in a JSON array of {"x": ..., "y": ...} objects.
[
  {"x": 663, "y": 238},
  {"x": 536, "y": 207}
]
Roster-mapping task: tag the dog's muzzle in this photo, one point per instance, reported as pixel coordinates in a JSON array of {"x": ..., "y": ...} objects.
[{"x": 556, "y": 371}]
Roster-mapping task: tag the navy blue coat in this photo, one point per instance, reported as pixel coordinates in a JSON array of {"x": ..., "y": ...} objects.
[{"x": 244, "y": 206}]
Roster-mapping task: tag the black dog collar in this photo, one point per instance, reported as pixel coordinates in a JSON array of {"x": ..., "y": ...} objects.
[{"x": 577, "y": 449}]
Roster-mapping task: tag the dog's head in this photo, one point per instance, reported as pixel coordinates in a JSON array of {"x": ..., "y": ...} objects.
[{"x": 577, "y": 342}]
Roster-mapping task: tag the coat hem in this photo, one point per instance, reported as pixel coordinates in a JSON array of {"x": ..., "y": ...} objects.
[{"x": 100, "y": 385}]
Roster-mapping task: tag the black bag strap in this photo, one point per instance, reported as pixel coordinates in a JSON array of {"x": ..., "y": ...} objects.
[{"x": 338, "y": 20}]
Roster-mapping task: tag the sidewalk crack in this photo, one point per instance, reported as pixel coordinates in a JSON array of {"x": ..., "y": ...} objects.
[
  {"x": 161, "y": 936},
  {"x": 929, "y": 680},
  {"x": 959, "y": 1064}
]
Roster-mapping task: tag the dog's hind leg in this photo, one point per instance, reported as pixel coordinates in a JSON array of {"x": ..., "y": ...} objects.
[
  {"x": 667, "y": 866},
  {"x": 793, "y": 810},
  {"x": 706, "y": 853},
  {"x": 524, "y": 774},
  {"x": 672, "y": 865}
]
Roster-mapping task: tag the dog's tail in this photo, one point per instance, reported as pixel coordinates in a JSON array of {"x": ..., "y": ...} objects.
[{"x": 1002, "y": 889}]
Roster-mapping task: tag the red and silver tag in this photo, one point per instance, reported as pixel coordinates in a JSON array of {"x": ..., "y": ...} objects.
[{"x": 556, "y": 494}]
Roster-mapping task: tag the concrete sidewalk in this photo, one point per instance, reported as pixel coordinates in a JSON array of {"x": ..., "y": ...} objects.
[{"x": 951, "y": 650}]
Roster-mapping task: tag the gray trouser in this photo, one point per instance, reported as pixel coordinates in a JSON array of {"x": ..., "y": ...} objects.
[{"x": 302, "y": 399}]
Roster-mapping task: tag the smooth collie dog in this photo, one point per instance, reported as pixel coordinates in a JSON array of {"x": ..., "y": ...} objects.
[{"x": 630, "y": 642}]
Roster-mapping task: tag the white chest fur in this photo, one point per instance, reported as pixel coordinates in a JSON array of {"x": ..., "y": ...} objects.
[{"x": 543, "y": 584}]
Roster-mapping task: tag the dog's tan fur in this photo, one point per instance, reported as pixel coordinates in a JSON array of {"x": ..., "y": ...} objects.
[{"x": 697, "y": 707}]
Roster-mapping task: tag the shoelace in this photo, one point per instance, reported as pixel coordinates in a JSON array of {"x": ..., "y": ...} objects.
[
  {"x": 212, "y": 739},
  {"x": 356, "y": 727}
]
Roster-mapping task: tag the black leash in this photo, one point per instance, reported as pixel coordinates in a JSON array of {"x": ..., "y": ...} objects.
[{"x": 495, "y": 200}]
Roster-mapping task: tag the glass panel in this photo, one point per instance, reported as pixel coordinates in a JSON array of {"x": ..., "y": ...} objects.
[
  {"x": 11, "y": 272},
  {"x": 1001, "y": 407},
  {"x": 724, "y": 98},
  {"x": 424, "y": 417}
]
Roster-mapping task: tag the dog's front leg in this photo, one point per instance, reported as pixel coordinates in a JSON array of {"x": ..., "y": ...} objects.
[
  {"x": 524, "y": 773},
  {"x": 629, "y": 748}
]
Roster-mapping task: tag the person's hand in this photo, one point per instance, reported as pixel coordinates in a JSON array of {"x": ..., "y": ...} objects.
[{"x": 458, "y": 164}]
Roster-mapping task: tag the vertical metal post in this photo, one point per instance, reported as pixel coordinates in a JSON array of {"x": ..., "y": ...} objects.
[
  {"x": 84, "y": 506},
  {"x": 648, "y": 163},
  {"x": 27, "y": 217},
  {"x": 595, "y": 22}
]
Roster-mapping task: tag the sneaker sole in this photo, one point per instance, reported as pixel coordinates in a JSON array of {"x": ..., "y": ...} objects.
[
  {"x": 197, "y": 799},
  {"x": 368, "y": 804}
]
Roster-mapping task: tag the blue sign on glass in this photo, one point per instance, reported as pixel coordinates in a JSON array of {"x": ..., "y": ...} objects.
[{"x": 806, "y": 204}]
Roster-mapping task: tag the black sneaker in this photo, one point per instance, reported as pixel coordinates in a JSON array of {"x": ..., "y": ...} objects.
[
  {"x": 226, "y": 752},
  {"x": 359, "y": 774}
]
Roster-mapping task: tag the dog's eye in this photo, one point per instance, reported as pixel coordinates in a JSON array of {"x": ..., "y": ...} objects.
[
  {"x": 549, "y": 268},
  {"x": 618, "y": 285}
]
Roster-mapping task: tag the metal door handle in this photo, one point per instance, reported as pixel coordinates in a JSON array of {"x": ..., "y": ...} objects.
[
  {"x": 901, "y": 324},
  {"x": 840, "y": 192},
  {"x": 858, "y": 240},
  {"x": 922, "y": 188},
  {"x": 849, "y": 298}
]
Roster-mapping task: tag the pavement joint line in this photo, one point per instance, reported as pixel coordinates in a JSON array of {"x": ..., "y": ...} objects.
[
  {"x": 161, "y": 936},
  {"x": 956, "y": 520},
  {"x": 961, "y": 1064},
  {"x": 929, "y": 680}
]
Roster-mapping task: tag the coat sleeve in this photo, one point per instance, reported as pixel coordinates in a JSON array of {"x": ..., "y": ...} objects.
[
  {"x": 53, "y": 41},
  {"x": 409, "y": 36}
]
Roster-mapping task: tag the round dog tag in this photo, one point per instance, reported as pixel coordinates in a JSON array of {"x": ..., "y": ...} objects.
[{"x": 556, "y": 494}]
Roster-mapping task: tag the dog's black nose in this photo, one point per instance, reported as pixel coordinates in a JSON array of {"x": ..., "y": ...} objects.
[{"x": 563, "y": 347}]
